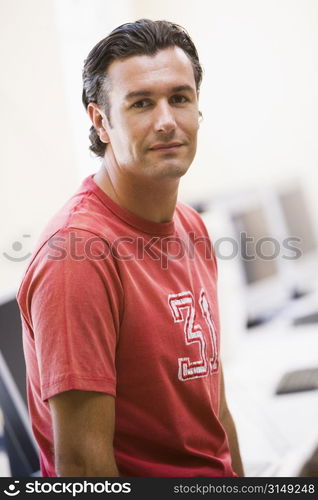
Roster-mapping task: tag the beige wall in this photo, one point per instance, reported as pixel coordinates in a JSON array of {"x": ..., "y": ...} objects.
[
  {"x": 44, "y": 129},
  {"x": 259, "y": 95},
  {"x": 36, "y": 162}
]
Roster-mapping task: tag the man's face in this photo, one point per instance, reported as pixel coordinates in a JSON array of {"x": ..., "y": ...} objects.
[{"x": 153, "y": 114}]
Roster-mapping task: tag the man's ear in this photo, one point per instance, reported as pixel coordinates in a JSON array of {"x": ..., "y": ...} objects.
[{"x": 99, "y": 120}]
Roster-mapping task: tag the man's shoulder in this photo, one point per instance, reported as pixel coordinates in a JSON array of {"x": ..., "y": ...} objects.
[
  {"x": 186, "y": 207},
  {"x": 84, "y": 213},
  {"x": 83, "y": 219},
  {"x": 190, "y": 218}
]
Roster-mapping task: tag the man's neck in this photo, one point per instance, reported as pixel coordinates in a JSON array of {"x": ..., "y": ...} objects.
[{"x": 153, "y": 200}]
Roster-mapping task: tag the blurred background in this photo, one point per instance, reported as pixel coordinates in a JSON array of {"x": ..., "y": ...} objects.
[{"x": 255, "y": 174}]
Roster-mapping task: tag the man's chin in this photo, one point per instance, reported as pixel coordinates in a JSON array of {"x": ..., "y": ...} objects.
[{"x": 172, "y": 171}]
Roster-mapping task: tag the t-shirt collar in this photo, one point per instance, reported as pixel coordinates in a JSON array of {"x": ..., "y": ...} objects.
[{"x": 146, "y": 226}]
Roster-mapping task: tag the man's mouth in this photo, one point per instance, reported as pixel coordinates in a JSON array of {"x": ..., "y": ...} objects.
[{"x": 166, "y": 147}]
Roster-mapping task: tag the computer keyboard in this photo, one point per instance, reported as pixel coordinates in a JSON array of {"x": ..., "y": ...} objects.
[
  {"x": 298, "y": 380},
  {"x": 306, "y": 319}
]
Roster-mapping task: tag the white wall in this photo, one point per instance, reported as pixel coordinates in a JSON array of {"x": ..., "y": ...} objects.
[
  {"x": 259, "y": 95},
  {"x": 44, "y": 129},
  {"x": 37, "y": 166},
  {"x": 81, "y": 24}
]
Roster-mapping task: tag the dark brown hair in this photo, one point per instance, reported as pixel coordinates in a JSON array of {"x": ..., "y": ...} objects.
[{"x": 143, "y": 37}]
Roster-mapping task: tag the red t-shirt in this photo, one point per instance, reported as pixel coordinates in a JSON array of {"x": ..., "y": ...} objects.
[{"x": 116, "y": 304}]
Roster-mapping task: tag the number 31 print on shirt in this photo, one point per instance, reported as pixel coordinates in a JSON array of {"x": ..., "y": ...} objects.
[{"x": 183, "y": 310}]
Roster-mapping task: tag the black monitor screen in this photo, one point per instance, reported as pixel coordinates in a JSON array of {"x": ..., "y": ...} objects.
[
  {"x": 11, "y": 343},
  {"x": 19, "y": 442}
]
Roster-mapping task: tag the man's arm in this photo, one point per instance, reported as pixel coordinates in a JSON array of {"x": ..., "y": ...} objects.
[
  {"x": 229, "y": 426},
  {"x": 83, "y": 428}
]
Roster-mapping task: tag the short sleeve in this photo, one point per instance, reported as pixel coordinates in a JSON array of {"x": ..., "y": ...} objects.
[{"x": 75, "y": 301}]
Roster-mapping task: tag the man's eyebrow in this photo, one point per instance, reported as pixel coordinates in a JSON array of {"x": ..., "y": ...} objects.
[
  {"x": 184, "y": 88},
  {"x": 138, "y": 93},
  {"x": 146, "y": 93}
]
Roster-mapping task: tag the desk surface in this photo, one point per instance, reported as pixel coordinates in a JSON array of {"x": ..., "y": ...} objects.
[{"x": 277, "y": 433}]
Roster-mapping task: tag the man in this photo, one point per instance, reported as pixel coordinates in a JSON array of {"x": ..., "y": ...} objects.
[{"x": 121, "y": 331}]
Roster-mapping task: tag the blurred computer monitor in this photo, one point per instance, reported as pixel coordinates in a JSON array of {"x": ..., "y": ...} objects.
[
  {"x": 258, "y": 265},
  {"x": 21, "y": 446},
  {"x": 278, "y": 247},
  {"x": 261, "y": 256},
  {"x": 249, "y": 218},
  {"x": 299, "y": 224}
]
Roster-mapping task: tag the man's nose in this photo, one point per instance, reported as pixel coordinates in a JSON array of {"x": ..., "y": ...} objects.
[{"x": 164, "y": 119}]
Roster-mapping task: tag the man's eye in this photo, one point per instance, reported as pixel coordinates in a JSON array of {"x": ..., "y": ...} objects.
[
  {"x": 141, "y": 104},
  {"x": 179, "y": 99}
]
